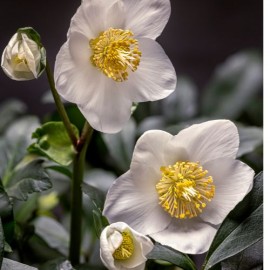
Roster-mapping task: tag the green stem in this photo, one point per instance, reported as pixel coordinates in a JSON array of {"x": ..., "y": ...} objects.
[
  {"x": 60, "y": 107},
  {"x": 76, "y": 195}
]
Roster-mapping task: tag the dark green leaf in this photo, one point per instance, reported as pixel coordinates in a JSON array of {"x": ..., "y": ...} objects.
[
  {"x": 9, "y": 111},
  {"x": 9, "y": 264},
  {"x": 100, "y": 222},
  {"x": 250, "y": 139},
  {"x": 95, "y": 195},
  {"x": 7, "y": 247},
  {"x": 53, "y": 142},
  {"x": 234, "y": 85},
  {"x": 13, "y": 145},
  {"x": 23, "y": 210},
  {"x": 121, "y": 144},
  {"x": 31, "y": 33},
  {"x": 168, "y": 254},
  {"x": 6, "y": 214},
  {"x": 182, "y": 103},
  {"x": 242, "y": 228},
  {"x": 100, "y": 179},
  {"x": 53, "y": 233},
  {"x": 57, "y": 264},
  {"x": 63, "y": 170},
  {"x": 31, "y": 178},
  {"x": 150, "y": 123},
  {"x": 249, "y": 259},
  {"x": 5, "y": 204},
  {"x": 2, "y": 243}
]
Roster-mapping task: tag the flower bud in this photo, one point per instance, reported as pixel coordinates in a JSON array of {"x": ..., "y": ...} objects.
[
  {"x": 123, "y": 248},
  {"x": 24, "y": 58}
]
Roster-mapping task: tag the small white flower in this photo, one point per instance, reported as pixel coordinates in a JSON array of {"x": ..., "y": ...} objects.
[
  {"x": 23, "y": 59},
  {"x": 111, "y": 59},
  {"x": 123, "y": 248},
  {"x": 180, "y": 188}
]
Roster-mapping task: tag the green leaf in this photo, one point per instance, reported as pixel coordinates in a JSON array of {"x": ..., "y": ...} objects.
[
  {"x": 96, "y": 196},
  {"x": 53, "y": 142},
  {"x": 250, "y": 258},
  {"x": 31, "y": 33},
  {"x": 2, "y": 243},
  {"x": 9, "y": 111},
  {"x": 234, "y": 85},
  {"x": 168, "y": 254},
  {"x": 53, "y": 233},
  {"x": 5, "y": 203},
  {"x": 150, "y": 123},
  {"x": 100, "y": 179},
  {"x": 13, "y": 145},
  {"x": 57, "y": 264},
  {"x": 63, "y": 170},
  {"x": 28, "y": 179},
  {"x": 23, "y": 211},
  {"x": 121, "y": 144},
  {"x": 9, "y": 264},
  {"x": 242, "y": 228},
  {"x": 250, "y": 139},
  {"x": 6, "y": 214},
  {"x": 182, "y": 103}
]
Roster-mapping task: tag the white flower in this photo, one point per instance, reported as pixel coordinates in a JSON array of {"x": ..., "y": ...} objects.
[
  {"x": 23, "y": 59},
  {"x": 180, "y": 188},
  {"x": 111, "y": 59},
  {"x": 123, "y": 248}
]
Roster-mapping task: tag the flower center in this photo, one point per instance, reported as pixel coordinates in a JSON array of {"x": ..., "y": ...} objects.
[
  {"x": 126, "y": 248},
  {"x": 115, "y": 52},
  {"x": 184, "y": 189},
  {"x": 18, "y": 59}
]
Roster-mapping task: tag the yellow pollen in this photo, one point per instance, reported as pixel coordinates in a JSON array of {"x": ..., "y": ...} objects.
[
  {"x": 19, "y": 60},
  {"x": 115, "y": 53},
  {"x": 126, "y": 248},
  {"x": 184, "y": 189}
]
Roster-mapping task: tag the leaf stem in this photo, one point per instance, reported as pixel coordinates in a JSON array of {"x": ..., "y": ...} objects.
[
  {"x": 60, "y": 107},
  {"x": 76, "y": 195}
]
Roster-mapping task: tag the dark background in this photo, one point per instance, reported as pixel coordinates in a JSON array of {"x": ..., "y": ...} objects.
[{"x": 199, "y": 36}]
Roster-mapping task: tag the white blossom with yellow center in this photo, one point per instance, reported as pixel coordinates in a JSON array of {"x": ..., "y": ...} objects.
[
  {"x": 180, "y": 188},
  {"x": 23, "y": 59},
  {"x": 123, "y": 248},
  {"x": 111, "y": 60}
]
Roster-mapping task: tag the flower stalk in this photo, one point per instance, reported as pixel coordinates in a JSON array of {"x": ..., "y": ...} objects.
[
  {"x": 76, "y": 195},
  {"x": 60, "y": 107}
]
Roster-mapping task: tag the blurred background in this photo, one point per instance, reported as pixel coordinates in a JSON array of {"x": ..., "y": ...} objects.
[
  {"x": 199, "y": 36},
  {"x": 216, "y": 49}
]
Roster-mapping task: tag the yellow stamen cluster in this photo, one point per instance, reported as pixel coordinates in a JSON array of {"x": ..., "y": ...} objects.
[
  {"x": 126, "y": 248},
  {"x": 184, "y": 189},
  {"x": 20, "y": 59},
  {"x": 115, "y": 52}
]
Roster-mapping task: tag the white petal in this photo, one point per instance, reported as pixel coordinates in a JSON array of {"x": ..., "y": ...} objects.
[
  {"x": 96, "y": 16},
  {"x": 76, "y": 82},
  {"x": 233, "y": 180},
  {"x": 115, "y": 240},
  {"x": 109, "y": 109},
  {"x": 105, "y": 250},
  {"x": 32, "y": 54},
  {"x": 192, "y": 236},
  {"x": 79, "y": 49},
  {"x": 148, "y": 156},
  {"x": 155, "y": 77},
  {"x": 135, "y": 206},
  {"x": 208, "y": 141},
  {"x": 147, "y": 18}
]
